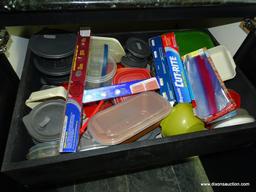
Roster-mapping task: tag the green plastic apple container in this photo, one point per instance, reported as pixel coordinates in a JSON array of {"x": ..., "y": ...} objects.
[{"x": 181, "y": 120}]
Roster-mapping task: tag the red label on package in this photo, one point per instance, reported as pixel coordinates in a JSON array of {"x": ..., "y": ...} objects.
[{"x": 73, "y": 111}]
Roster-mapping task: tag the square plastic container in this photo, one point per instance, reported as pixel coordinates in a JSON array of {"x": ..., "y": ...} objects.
[
  {"x": 124, "y": 120},
  {"x": 223, "y": 61}
]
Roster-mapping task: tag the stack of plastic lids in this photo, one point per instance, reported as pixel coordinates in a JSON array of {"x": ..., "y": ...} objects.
[
  {"x": 127, "y": 119},
  {"x": 129, "y": 74},
  {"x": 53, "y": 54},
  {"x": 137, "y": 53},
  {"x": 44, "y": 122}
]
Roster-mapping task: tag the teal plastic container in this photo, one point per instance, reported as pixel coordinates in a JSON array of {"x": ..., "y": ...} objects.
[{"x": 193, "y": 40}]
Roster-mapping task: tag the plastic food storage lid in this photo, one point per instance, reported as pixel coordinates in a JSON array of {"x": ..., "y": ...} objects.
[
  {"x": 192, "y": 40},
  {"x": 45, "y": 120},
  {"x": 223, "y": 61},
  {"x": 116, "y": 50},
  {"x": 87, "y": 143},
  {"x": 38, "y": 97},
  {"x": 101, "y": 66},
  {"x": 130, "y": 61},
  {"x": 51, "y": 80},
  {"x": 129, "y": 74},
  {"x": 138, "y": 47},
  {"x": 42, "y": 150},
  {"x": 53, "y": 46},
  {"x": 124, "y": 120},
  {"x": 53, "y": 67}
]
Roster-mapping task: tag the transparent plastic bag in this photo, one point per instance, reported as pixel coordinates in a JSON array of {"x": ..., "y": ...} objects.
[{"x": 210, "y": 94}]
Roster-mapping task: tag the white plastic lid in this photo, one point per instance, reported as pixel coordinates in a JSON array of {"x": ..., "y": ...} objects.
[{"x": 223, "y": 61}]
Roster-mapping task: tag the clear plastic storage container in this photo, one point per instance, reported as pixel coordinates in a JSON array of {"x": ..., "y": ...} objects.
[
  {"x": 42, "y": 150},
  {"x": 124, "y": 120},
  {"x": 101, "y": 67}
]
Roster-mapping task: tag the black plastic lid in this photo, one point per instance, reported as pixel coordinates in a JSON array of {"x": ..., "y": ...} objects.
[
  {"x": 51, "y": 80},
  {"x": 53, "y": 67},
  {"x": 44, "y": 122},
  {"x": 138, "y": 47},
  {"x": 53, "y": 46},
  {"x": 131, "y": 61}
]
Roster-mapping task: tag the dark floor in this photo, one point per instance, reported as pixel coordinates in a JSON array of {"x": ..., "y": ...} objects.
[{"x": 182, "y": 177}]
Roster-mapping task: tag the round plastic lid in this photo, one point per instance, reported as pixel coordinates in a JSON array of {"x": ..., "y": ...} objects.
[
  {"x": 51, "y": 80},
  {"x": 44, "y": 121},
  {"x": 138, "y": 47},
  {"x": 53, "y": 67},
  {"x": 53, "y": 46},
  {"x": 129, "y": 74},
  {"x": 131, "y": 61}
]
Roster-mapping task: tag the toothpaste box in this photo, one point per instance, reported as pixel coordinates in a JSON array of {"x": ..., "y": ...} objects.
[
  {"x": 161, "y": 68},
  {"x": 175, "y": 65},
  {"x": 120, "y": 90}
]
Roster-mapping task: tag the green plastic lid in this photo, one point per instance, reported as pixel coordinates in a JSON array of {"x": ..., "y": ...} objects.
[{"x": 193, "y": 40}]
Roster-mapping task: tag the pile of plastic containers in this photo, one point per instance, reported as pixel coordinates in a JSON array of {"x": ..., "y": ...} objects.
[
  {"x": 52, "y": 56},
  {"x": 133, "y": 117}
]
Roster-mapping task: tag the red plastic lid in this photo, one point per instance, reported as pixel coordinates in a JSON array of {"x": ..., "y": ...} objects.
[
  {"x": 119, "y": 66},
  {"x": 129, "y": 74}
]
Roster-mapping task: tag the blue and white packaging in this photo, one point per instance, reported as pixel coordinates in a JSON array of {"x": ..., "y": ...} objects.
[
  {"x": 161, "y": 68},
  {"x": 71, "y": 126},
  {"x": 120, "y": 90},
  {"x": 178, "y": 75}
]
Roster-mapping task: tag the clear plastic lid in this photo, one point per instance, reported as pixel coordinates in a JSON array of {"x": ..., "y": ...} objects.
[
  {"x": 124, "y": 120},
  {"x": 42, "y": 150},
  {"x": 87, "y": 143}
]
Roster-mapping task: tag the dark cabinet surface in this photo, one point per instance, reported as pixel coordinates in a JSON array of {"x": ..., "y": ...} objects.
[{"x": 129, "y": 17}]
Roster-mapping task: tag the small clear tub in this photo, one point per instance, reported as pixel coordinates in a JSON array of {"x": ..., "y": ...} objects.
[
  {"x": 101, "y": 67},
  {"x": 42, "y": 150}
]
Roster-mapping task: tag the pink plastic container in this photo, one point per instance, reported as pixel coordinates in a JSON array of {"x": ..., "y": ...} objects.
[{"x": 124, "y": 120}]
